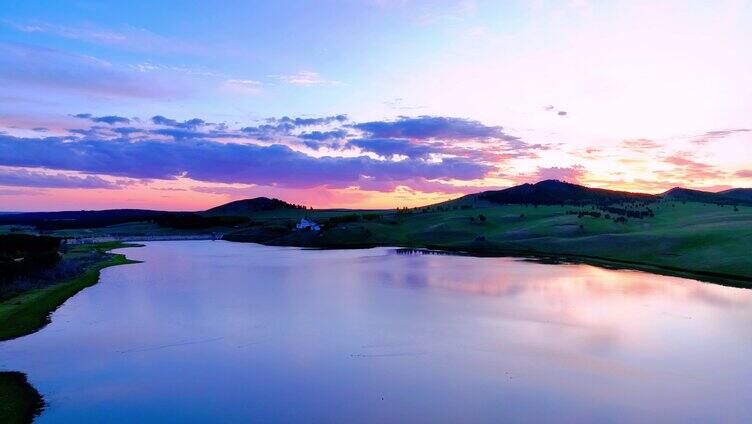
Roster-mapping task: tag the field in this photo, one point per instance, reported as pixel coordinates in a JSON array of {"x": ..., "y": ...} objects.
[
  {"x": 30, "y": 311},
  {"x": 705, "y": 239}
]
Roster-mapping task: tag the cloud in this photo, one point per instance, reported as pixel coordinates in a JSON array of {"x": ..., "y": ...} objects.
[
  {"x": 688, "y": 169},
  {"x": 571, "y": 174},
  {"x": 640, "y": 144},
  {"x": 13, "y": 192},
  {"x": 432, "y": 127},
  {"x": 211, "y": 161},
  {"x": 323, "y": 135},
  {"x": 398, "y": 103},
  {"x": 128, "y": 37},
  {"x": 551, "y": 108},
  {"x": 318, "y": 139},
  {"x": 717, "y": 135},
  {"x": 285, "y": 125},
  {"x": 25, "y": 178},
  {"x": 393, "y": 146},
  {"x": 307, "y": 122},
  {"x": 744, "y": 173},
  {"x": 189, "y": 124},
  {"x": 47, "y": 68},
  {"x": 304, "y": 78},
  {"x": 244, "y": 86},
  {"x": 110, "y": 119}
]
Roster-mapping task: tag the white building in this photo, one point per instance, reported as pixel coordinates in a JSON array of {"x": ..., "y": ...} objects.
[{"x": 306, "y": 224}]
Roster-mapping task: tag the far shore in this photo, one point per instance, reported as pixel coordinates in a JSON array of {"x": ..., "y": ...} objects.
[{"x": 729, "y": 280}]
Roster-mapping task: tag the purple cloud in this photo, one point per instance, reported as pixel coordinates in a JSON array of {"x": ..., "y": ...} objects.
[
  {"x": 433, "y": 127},
  {"x": 110, "y": 119},
  {"x": 717, "y": 135},
  {"x": 189, "y": 124},
  {"x": 323, "y": 135},
  {"x": 212, "y": 161},
  {"x": 569, "y": 174},
  {"x": 307, "y": 122},
  {"x": 393, "y": 146},
  {"x": 25, "y": 178}
]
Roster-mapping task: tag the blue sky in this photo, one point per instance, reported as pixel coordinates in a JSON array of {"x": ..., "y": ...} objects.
[
  {"x": 633, "y": 95},
  {"x": 343, "y": 47}
]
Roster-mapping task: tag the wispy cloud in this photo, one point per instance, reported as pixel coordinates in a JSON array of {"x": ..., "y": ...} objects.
[
  {"x": 127, "y": 37},
  {"x": 304, "y": 78},
  {"x": 640, "y": 144},
  {"x": 26, "y": 178},
  {"x": 718, "y": 135},
  {"x": 110, "y": 119},
  {"x": 49, "y": 68},
  {"x": 244, "y": 86}
]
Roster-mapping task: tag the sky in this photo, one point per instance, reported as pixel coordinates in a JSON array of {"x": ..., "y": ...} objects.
[{"x": 182, "y": 105}]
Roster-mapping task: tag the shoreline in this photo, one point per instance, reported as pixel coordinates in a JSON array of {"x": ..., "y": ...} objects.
[
  {"x": 728, "y": 280},
  {"x": 30, "y": 312},
  {"x": 20, "y": 402}
]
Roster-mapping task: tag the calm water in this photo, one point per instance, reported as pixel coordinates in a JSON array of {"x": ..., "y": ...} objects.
[{"x": 221, "y": 332}]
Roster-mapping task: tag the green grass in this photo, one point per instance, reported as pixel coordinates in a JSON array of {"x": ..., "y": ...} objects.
[
  {"x": 28, "y": 312},
  {"x": 19, "y": 401},
  {"x": 708, "y": 242}
]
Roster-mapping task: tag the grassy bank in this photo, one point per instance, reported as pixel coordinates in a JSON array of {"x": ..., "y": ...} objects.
[
  {"x": 702, "y": 241},
  {"x": 19, "y": 401},
  {"x": 28, "y": 312}
]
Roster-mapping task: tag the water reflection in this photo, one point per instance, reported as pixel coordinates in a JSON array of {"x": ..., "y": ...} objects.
[{"x": 214, "y": 331}]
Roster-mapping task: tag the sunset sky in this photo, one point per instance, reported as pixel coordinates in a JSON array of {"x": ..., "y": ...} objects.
[{"x": 177, "y": 106}]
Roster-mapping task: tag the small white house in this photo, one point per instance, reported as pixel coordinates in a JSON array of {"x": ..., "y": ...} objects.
[{"x": 305, "y": 224}]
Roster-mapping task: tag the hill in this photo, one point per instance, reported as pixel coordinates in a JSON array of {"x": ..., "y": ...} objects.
[
  {"x": 79, "y": 219},
  {"x": 688, "y": 195},
  {"x": 258, "y": 204},
  {"x": 744, "y": 194},
  {"x": 554, "y": 192}
]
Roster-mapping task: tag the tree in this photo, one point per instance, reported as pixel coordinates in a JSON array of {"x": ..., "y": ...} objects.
[{"x": 482, "y": 217}]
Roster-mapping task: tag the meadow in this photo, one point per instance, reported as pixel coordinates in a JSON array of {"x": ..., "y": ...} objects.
[{"x": 710, "y": 240}]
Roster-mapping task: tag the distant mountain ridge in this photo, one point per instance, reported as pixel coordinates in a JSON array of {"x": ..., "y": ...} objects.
[
  {"x": 738, "y": 194},
  {"x": 554, "y": 192},
  {"x": 547, "y": 192},
  {"x": 79, "y": 219}
]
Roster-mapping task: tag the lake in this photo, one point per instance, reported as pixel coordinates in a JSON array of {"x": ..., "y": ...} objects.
[{"x": 206, "y": 331}]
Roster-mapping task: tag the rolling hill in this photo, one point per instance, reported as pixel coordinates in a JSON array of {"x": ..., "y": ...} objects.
[
  {"x": 257, "y": 204},
  {"x": 743, "y": 194},
  {"x": 554, "y": 192},
  {"x": 680, "y": 194}
]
